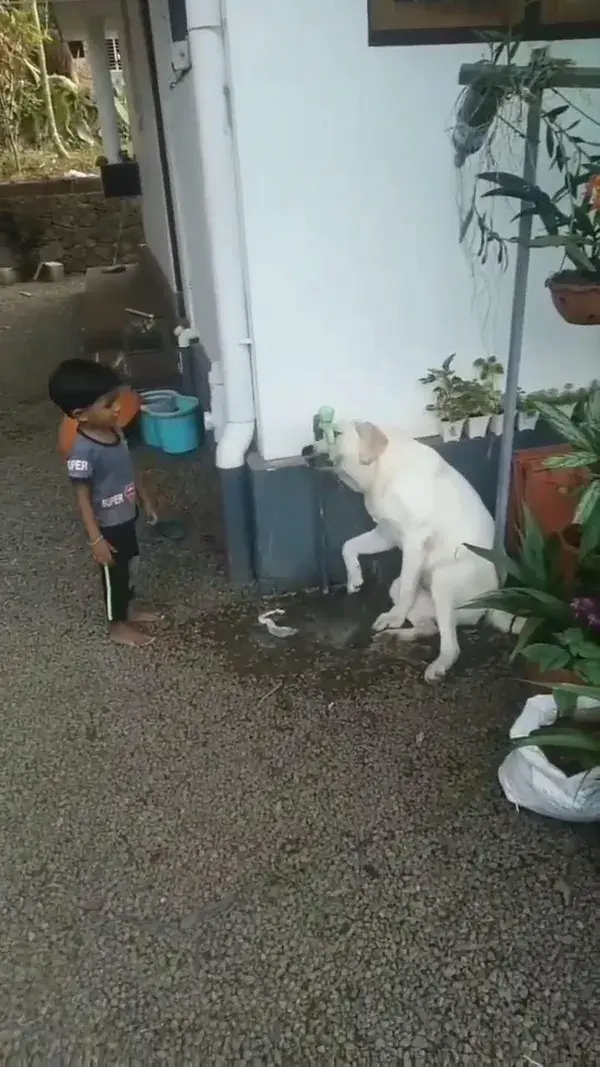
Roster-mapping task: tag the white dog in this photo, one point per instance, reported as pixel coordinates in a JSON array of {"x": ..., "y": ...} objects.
[{"x": 425, "y": 507}]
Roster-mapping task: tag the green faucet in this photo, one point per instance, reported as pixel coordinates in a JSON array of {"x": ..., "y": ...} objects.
[{"x": 324, "y": 421}]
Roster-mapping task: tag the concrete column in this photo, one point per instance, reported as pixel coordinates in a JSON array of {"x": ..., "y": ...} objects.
[
  {"x": 129, "y": 76},
  {"x": 97, "y": 56}
]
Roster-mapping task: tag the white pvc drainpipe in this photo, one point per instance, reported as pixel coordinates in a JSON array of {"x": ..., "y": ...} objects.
[{"x": 209, "y": 71}]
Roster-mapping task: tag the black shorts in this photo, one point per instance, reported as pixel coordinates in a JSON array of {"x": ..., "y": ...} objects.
[{"x": 116, "y": 578}]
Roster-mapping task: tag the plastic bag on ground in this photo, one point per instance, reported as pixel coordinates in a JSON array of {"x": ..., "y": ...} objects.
[{"x": 530, "y": 781}]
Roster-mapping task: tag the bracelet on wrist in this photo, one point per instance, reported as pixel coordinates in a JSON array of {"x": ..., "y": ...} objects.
[{"x": 96, "y": 542}]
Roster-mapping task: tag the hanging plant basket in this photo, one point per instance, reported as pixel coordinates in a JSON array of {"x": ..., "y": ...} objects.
[{"x": 576, "y": 297}]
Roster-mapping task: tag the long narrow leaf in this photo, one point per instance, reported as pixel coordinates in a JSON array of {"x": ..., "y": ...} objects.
[
  {"x": 560, "y": 421},
  {"x": 503, "y": 563},
  {"x": 529, "y": 628},
  {"x": 578, "y": 256},
  {"x": 533, "y": 551},
  {"x": 592, "y": 692},
  {"x": 508, "y": 600},
  {"x": 569, "y": 739},
  {"x": 570, "y": 461},
  {"x": 588, "y": 501},
  {"x": 590, "y": 533}
]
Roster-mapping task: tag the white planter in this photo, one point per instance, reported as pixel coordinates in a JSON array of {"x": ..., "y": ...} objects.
[
  {"x": 477, "y": 425},
  {"x": 527, "y": 421},
  {"x": 497, "y": 424},
  {"x": 452, "y": 431},
  {"x": 530, "y": 781}
]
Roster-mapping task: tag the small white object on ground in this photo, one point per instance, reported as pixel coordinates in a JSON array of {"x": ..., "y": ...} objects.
[
  {"x": 266, "y": 619},
  {"x": 530, "y": 781}
]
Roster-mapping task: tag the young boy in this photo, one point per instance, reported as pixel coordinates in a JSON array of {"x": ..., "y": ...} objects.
[{"x": 100, "y": 468}]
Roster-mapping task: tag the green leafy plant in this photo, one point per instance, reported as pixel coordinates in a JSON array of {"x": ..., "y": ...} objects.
[
  {"x": 532, "y": 586},
  {"x": 573, "y": 649},
  {"x": 584, "y": 437},
  {"x": 484, "y": 395},
  {"x": 448, "y": 390},
  {"x": 573, "y": 740},
  {"x": 19, "y": 39},
  {"x": 574, "y": 227},
  {"x": 528, "y": 402},
  {"x": 460, "y": 398},
  {"x": 569, "y": 214}
]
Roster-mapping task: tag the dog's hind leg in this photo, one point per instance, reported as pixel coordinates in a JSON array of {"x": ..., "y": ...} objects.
[
  {"x": 366, "y": 544},
  {"x": 442, "y": 594},
  {"x": 404, "y": 590},
  {"x": 421, "y": 618}
]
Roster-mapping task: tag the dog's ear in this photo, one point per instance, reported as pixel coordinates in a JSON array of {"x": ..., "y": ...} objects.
[{"x": 371, "y": 442}]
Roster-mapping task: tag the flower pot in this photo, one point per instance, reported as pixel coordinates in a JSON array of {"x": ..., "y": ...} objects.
[
  {"x": 527, "y": 420},
  {"x": 551, "y": 495},
  {"x": 497, "y": 424},
  {"x": 477, "y": 425},
  {"x": 570, "y": 545},
  {"x": 576, "y": 297},
  {"x": 539, "y": 677},
  {"x": 452, "y": 431}
]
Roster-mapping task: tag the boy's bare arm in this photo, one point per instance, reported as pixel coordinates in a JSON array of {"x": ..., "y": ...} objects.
[
  {"x": 145, "y": 497},
  {"x": 101, "y": 550}
]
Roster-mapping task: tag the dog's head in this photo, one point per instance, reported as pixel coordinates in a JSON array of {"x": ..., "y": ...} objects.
[{"x": 351, "y": 452}]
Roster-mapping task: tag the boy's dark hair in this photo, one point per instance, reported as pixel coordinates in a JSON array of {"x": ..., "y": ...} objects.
[{"x": 77, "y": 384}]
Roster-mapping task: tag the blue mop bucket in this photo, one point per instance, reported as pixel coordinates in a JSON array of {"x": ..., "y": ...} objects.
[{"x": 171, "y": 422}]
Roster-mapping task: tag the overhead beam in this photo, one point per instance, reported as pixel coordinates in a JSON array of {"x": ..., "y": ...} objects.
[{"x": 558, "y": 77}]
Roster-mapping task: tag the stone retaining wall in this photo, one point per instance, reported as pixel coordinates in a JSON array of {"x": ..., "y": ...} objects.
[{"x": 74, "y": 215}]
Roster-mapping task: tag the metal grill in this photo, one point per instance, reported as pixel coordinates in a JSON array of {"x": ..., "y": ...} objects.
[{"x": 114, "y": 54}]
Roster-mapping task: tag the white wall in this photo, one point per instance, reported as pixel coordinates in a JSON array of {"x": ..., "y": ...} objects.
[
  {"x": 357, "y": 280},
  {"x": 145, "y": 139},
  {"x": 183, "y": 147}
]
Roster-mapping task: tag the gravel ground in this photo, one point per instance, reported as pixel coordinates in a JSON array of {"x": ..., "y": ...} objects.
[{"x": 225, "y": 851}]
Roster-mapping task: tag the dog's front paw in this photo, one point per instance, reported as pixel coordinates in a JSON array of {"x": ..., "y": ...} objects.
[
  {"x": 388, "y": 620},
  {"x": 354, "y": 583},
  {"x": 436, "y": 671}
]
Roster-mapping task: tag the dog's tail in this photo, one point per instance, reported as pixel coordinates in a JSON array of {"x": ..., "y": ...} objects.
[{"x": 507, "y": 624}]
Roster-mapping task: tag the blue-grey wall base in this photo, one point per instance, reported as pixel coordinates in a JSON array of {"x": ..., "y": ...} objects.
[
  {"x": 287, "y": 498},
  {"x": 238, "y": 532}
]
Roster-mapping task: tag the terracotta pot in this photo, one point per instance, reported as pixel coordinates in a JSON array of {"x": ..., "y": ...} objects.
[
  {"x": 539, "y": 677},
  {"x": 570, "y": 543},
  {"x": 550, "y": 495},
  {"x": 576, "y": 297}
]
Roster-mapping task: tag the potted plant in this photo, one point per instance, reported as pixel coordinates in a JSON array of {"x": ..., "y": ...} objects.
[
  {"x": 571, "y": 219},
  {"x": 553, "y": 767},
  {"x": 478, "y": 406},
  {"x": 483, "y": 399},
  {"x": 449, "y": 399},
  {"x": 532, "y": 588},
  {"x": 572, "y": 654},
  {"x": 583, "y": 435},
  {"x": 527, "y": 411},
  {"x": 567, "y": 398},
  {"x": 491, "y": 372}
]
